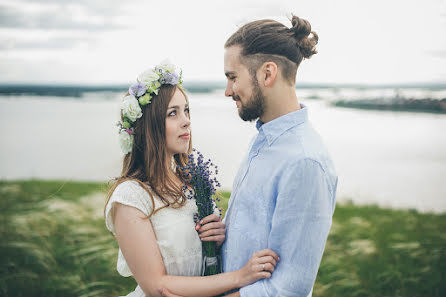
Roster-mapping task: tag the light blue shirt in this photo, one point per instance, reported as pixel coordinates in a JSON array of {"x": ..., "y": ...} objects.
[{"x": 283, "y": 198}]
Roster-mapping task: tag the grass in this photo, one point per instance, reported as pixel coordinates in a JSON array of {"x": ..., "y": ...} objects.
[{"x": 54, "y": 243}]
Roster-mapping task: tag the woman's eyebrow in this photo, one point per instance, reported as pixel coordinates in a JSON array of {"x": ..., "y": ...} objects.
[{"x": 178, "y": 107}]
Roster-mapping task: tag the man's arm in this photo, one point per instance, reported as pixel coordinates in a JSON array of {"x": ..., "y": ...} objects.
[{"x": 299, "y": 229}]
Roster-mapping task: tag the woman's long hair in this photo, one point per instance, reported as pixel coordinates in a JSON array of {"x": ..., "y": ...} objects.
[{"x": 147, "y": 163}]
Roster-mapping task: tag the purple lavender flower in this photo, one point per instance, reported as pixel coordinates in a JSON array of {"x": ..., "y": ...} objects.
[
  {"x": 169, "y": 78},
  {"x": 137, "y": 89},
  {"x": 200, "y": 175}
]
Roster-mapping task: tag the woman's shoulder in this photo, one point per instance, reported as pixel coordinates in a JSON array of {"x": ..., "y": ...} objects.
[
  {"x": 132, "y": 186},
  {"x": 130, "y": 193},
  {"x": 129, "y": 185},
  {"x": 133, "y": 193}
]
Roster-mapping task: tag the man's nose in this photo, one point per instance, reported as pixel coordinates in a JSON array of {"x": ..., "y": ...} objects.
[{"x": 228, "y": 91}]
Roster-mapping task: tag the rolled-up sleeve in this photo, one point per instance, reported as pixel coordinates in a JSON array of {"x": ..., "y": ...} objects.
[{"x": 300, "y": 224}]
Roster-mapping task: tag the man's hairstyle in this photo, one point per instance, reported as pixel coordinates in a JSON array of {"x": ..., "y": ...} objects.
[{"x": 269, "y": 40}]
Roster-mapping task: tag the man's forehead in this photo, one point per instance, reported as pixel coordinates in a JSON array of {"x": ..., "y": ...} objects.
[
  {"x": 232, "y": 54},
  {"x": 232, "y": 60}
]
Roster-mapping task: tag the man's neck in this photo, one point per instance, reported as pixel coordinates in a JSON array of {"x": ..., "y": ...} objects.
[{"x": 280, "y": 103}]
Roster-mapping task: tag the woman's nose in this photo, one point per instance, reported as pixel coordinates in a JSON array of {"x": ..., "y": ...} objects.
[{"x": 186, "y": 122}]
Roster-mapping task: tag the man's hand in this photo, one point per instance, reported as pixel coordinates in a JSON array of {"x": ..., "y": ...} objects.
[{"x": 212, "y": 228}]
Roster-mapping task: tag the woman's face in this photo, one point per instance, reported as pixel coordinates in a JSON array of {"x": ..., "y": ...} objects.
[{"x": 177, "y": 125}]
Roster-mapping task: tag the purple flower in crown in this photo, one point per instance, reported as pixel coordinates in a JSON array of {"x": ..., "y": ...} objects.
[
  {"x": 137, "y": 89},
  {"x": 169, "y": 78}
]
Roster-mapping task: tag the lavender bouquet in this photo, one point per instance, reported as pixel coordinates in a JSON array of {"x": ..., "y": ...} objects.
[{"x": 200, "y": 175}]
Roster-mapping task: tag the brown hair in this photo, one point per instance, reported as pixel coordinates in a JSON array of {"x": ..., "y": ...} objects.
[
  {"x": 147, "y": 162},
  {"x": 269, "y": 40}
]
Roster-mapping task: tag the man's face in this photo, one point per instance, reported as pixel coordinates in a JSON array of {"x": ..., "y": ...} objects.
[{"x": 242, "y": 87}]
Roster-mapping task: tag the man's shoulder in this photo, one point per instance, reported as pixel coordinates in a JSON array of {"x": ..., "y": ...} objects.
[
  {"x": 304, "y": 145},
  {"x": 301, "y": 142}
]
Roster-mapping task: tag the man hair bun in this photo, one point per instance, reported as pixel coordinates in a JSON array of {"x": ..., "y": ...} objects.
[{"x": 301, "y": 29}]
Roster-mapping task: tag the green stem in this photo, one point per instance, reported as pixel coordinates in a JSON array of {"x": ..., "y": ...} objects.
[{"x": 210, "y": 250}]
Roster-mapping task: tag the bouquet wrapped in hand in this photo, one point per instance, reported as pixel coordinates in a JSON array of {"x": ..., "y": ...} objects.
[{"x": 200, "y": 175}]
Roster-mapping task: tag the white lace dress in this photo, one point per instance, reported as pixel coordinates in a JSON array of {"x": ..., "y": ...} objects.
[{"x": 177, "y": 239}]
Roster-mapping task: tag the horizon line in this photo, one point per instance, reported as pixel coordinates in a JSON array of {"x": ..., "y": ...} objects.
[{"x": 222, "y": 83}]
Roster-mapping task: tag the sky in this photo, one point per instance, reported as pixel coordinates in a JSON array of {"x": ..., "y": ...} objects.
[{"x": 112, "y": 41}]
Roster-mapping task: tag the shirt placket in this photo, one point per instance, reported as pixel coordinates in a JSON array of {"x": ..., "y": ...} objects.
[{"x": 254, "y": 151}]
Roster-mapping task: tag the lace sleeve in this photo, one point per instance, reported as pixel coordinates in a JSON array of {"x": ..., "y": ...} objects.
[{"x": 128, "y": 193}]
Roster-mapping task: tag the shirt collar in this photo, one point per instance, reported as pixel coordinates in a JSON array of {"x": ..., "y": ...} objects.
[{"x": 277, "y": 127}]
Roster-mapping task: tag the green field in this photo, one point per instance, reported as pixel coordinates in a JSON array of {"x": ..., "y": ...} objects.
[{"x": 54, "y": 243}]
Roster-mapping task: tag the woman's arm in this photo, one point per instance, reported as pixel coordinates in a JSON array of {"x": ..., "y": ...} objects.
[
  {"x": 138, "y": 243},
  {"x": 166, "y": 293}
]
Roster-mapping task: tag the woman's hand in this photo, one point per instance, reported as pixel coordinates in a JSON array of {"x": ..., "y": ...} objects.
[
  {"x": 212, "y": 228},
  {"x": 260, "y": 266}
]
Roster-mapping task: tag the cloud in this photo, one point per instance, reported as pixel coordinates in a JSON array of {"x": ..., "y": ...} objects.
[
  {"x": 110, "y": 40},
  {"x": 438, "y": 53},
  {"x": 58, "y": 17},
  {"x": 55, "y": 43},
  {"x": 107, "y": 7}
]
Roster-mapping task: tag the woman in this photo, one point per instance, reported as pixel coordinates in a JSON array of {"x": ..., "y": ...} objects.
[{"x": 147, "y": 209}]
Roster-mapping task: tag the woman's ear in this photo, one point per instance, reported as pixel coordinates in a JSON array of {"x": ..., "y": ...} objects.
[{"x": 269, "y": 73}]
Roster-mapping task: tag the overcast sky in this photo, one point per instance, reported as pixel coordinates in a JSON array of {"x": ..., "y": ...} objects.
[{"x": 109, "y": 41}]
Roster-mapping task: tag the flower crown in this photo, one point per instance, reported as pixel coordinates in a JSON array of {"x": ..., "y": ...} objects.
[{"x": 140, "y": 94}]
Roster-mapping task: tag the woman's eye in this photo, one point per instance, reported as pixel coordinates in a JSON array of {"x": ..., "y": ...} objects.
[
  {"x": 186, "y": 110},
  {"x": 172, "y": 113}
]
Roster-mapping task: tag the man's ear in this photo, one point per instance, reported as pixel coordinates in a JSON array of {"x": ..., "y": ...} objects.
[{"x": 269, "y": 73}]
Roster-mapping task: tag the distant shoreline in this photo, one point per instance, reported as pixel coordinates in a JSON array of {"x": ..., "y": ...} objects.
[
  {"x": 396, "y": 104},
  {"x": 416, "y": 97},
  {"x": 77, "y": 90}
]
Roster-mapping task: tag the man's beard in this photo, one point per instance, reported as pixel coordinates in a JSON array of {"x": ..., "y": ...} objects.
[{"x": 254, "y": 107}]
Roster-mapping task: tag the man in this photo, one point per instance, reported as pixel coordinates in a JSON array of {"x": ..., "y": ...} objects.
[{"x": 283, "y": 196}]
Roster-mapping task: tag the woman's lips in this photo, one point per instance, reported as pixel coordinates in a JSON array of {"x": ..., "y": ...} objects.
[{"x": 185, "y": 136}]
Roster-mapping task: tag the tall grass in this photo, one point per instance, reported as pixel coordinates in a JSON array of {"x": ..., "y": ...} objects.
[{"x": 53, "y": 242}]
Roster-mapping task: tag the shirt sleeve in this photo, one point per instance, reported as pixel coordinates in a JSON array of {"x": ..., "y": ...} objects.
[
  {"x": 129, "y": 193},
  {"x": 300, "y": 224}
]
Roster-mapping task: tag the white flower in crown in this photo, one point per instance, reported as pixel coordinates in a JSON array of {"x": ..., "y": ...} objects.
[
  {"x": 148, "y": 77},
  {"x": 126, "y": 141},
  {"x": 167, "y": 66},
  {"x": 130, "y": 108}
]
